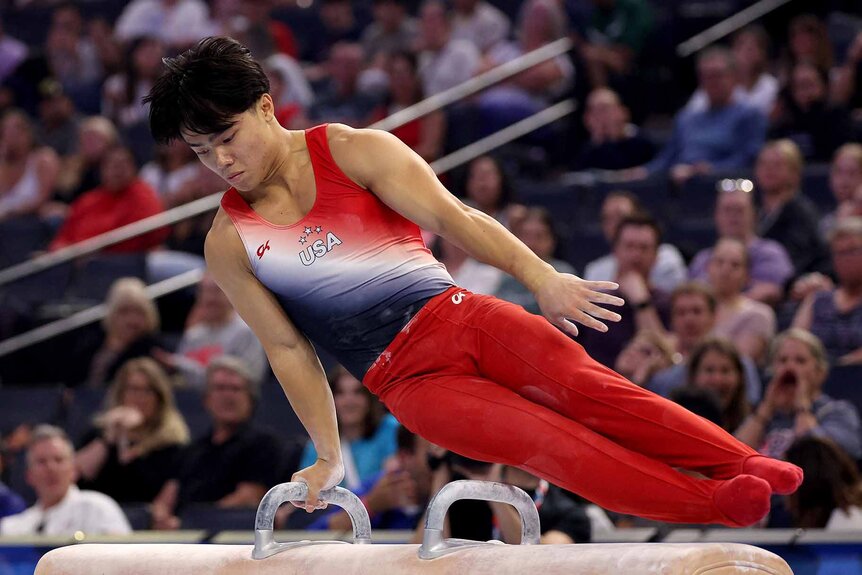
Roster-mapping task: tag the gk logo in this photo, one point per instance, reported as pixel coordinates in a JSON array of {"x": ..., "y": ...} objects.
[
  {"x": 262, "y": 250},
  {"x": 457, "y": 298}
]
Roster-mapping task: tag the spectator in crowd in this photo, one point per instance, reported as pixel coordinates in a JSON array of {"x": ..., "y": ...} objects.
[
  {"x": 214, "y": 329},
  {"x": 769, "y": 266},
  {"x": 805, "y": 115},
  {"x": 847, "y": 84},
  {"x": 467, "y": 272},
  {"x": 808, "y": 41},
  {"x": 108, "y": 48},
  {"x": 28, "y": 173},
  {"x": 368, "y": 435},
  {"x": 340, "y": 99},
  {"x": 189, "y": 235},
  {"x": 72, "y": 57},
  {"x": 337, "y": 23},
  {"x": 488, "y": 188},
  {"x": 845, "y": 178},
  {"x": 129, "y": 330},
  {"x": 123, "y": 92},
  {"x": 539, "y": 22},
  {"x": 12, "y": 53},
  {"x": 80, "y": 171},
  {"x": 58, "y": 121},
  {"x": 172, "y": 168},
  {"x": 648, "y": 353},
  {"x": 444, "y": 62},
  {"x": 614, "y": 143},
  {"x": 692, "y": 320},
  {"x": 834, "y": 315},
  {"x": 786, "y": 215},
  {"x": 667, "y": 272},
  {"x": 261, "y": 34},
  {"x": 725, "y": 136},
  {"x": 122, "y": 198},
  {"x": 755, "y": 86},
  {"x": 615, "y": 36},
  {"x": 392, "y": 31},
  {"x": 290, "y": 90},
  {"x": 830, "y": 496},
  {"x": 479, "y": 22},
  {"x": 750, "y": 324},
  {"x": 716, "y": 365},
  {"x": 136, "y": 441},
  {"x": 424, "y": 135},
  {"x": 235, "y": 463},
  {"x": 635, "y": 248},
  {"x": 536, "y": 229},
  {"x": 61, "y": 508},
  {"x": 10, "y": 502},
  {"x": 794, "y": 405},
  {"x": 176, "y": 23}
]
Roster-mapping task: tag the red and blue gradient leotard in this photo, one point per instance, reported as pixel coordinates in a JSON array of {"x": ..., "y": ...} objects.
[{"x": 351, "y": 273}]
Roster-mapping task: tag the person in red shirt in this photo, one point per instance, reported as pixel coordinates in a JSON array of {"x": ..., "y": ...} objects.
[{"x": 121, "y": 199}]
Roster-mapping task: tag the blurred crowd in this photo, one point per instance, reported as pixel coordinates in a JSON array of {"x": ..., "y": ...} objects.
[{"x": 723, "y": 193}]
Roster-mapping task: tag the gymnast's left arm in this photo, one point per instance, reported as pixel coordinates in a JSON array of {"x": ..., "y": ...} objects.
[{"x": 401, "y": 179}]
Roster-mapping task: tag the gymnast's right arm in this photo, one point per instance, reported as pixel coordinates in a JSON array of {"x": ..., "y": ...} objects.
[{"x": 291, "y": 355}]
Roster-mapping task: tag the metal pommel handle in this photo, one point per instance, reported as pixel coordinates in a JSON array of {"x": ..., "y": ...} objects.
[
  {"x": 433, "y": 543},
  {"x": 265, "y": 544}
]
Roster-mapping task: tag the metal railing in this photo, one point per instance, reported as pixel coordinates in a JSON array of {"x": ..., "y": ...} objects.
[{"x": 727, "y": 26}]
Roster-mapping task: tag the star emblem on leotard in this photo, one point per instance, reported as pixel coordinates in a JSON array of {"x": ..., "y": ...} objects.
[
  {"x": 302, "y": 239},
  {"x": 307, "y": 230},
  {"x": 318, "y": 229}
]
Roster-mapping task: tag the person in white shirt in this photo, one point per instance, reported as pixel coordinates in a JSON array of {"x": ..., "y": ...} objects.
[
  {"x": 669, "y": 269},
  {"x": 177, "y": 23},
  {"x": 444, "y": 62},
  {"x": 61, "y": 508},
  {"x": 480, "y": 23},
  {"x": 755, "y": 86}
]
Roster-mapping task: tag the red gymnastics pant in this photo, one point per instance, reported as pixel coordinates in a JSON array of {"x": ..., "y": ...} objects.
[{"x": 486, "y": 379}]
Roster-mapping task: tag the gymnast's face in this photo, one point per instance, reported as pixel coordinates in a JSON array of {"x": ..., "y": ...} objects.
[{"x": 245, "y": 154}]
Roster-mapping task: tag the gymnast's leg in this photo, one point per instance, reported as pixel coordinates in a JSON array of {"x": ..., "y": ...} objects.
[
  {"x": 525, "y": 353},
  {"x": 483, "y": 420}
]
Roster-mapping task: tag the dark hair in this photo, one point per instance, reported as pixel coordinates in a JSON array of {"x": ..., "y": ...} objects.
[
  {"x": 738, "y": 408},
  {"x": 702, "y": 402},
  {"x": 203, "y": 88},
  {"x": 544, "y": 216},
  {"x": 831, "y": 481},
  {"x": 507, "y": 191},
  {"x": 375, "y": 409},
  {"x": 131, "y": 75},
  {"x": 638, "y": 219}
]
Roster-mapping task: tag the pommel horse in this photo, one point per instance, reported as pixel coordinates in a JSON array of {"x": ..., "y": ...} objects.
[{"x": 436, "y": 555}]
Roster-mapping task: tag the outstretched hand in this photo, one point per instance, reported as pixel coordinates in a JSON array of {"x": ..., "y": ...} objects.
[{"x": 566, "y": 298}]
